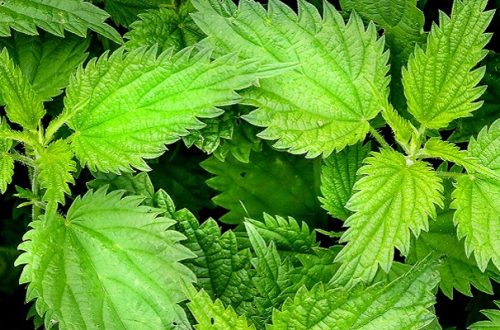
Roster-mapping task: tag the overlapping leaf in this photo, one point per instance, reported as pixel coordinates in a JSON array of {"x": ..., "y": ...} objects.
[
  {"x": 6, "y": 161},
  {"x": 440, "y": 82},
  {"x": 395, "y": 196},
  {"x": 126, "y": 107},
  {"x": 110, "y": 264},
  {"x": 477, "y": 200},
  {"x": 326, "y": 102},
  {"x": 54, "y": 16}
]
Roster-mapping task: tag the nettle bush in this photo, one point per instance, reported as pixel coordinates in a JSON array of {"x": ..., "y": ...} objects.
[{"x": 385, "y": 144}]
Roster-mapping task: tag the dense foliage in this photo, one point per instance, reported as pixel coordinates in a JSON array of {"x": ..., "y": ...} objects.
[{"x": 214, "y": 164}]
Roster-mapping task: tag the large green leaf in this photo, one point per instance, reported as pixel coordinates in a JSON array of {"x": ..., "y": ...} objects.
[
  {"x": 272, "y": 182},
  {"x": 47, "y": 61},
  {"x": 54, "y": 16},
  {"x": 23, "y": 105},
  {"x": 403, "y": 304},
  {"x": 338, "y": 175},
  {"x": 395, "y": 196},
  {"x": 477, "y": 200},
  {"x": 126, "y": 107},
  {"x": 440, "y": 82},
  {"x": 110, "y": 264},
  {"x": 327, "y": 101}
]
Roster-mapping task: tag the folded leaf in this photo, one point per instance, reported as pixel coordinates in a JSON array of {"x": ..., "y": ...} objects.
[
  {"x": 477, "y": 200},
  {"x": 395, "y": 196},
  {"x": 54, "y": 16},
  {"x": 126, "y": 107},
  {"x": 23, "y": 104},
  {"x": 110, "y": 264},
  {"x": 326, "y": 102},
  {"x": 440, "y": 82},
  {"x": 403, "y": 304}
]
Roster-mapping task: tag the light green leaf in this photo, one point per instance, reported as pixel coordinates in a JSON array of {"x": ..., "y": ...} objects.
[
  {"x": 395, "y": 196},
  {"x": 440, "y": 83},
  {"x": 55, "y": 16},
  {"x": 338, "y": 174},
  {"x": 447, "y": 151},
  {"x": 47, "y": 61},
  {"x": 166, "y": 27},
  {"x": 220, "y": 268},
  {"x": 110, "y": 264},
  {"x": 477, "y": 200},
  {"x": 212, "y": 315},
  {"x": 6, "y": 171},
  {"x": 326, "y": 102},
  {"x": 402, "y": 128},
  {"x": 56, "y": 167},
  {"x": 403, "y": 304},
  {"x": 272, "y": 182},
  {"x": 403, "y": 25},
  {"x": 287, "y": 234},
  {"x": 135, "y": 103},
  {"x": 493, "y": 321},
  {"x": 459, "y": 271},
  {"x": 23, "y": 105}
]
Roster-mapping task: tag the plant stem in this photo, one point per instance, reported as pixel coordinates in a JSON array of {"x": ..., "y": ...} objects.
[
  {"x": 22, "y": 159},
  {"x": 380, "y": 139},
  {"x": 35, "y": 212},
  {"x": 449, "y": 175}
]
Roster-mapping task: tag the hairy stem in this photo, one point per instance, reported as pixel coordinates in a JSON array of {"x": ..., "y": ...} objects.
[
  {"x": 379, "y": 138},
  {"x": 449, "y": 175},
  {"x": 35, "y": 211}
]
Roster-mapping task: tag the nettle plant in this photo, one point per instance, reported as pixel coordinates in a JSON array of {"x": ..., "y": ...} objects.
[{"x": 365, "y": 93}]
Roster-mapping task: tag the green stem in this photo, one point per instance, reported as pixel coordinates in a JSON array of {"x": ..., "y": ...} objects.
[
  {"x": 379, "y": 138},
  {"x": 449, "y": 175},
  {"x": 22, "y": 159},
  {"x": 36, "y": 211}
]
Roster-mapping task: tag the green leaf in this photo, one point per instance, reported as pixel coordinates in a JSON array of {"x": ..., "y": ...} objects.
[
  {"x": 23, "y": 105},
  {"x": 220, "y": 268},
  {"x": 135, "y": 103},
  {"x": 403, "y": 24},
  {"x": 272, "y": 182},
  {"x": 459, "y": 271},
  {"x": 325, "y": 103},
  {"x": 447, "y": 151},
  {"x": 75, "y": 16},
  {"x": 477, "y": 200},
  {"x": 166, "y": 27},
  {"x": 338, "y": 174},
  {"x": 212, "y": 315},
  {"x": 440, "y": 83},
  {"x": 271, "y": 280},
  {"x": 287, "y": 234},
  {"x": 403, "y": 304},
  {"x": 402, "y": 128},
  {"x": 493, "y": 321},
  {"x": 6, "y": 161},
  {"x": 47, "y": 61},
  {"x": 56, "y": 165},
  {"x": 395, "y": 196},
  {"x": 124, "y": 12},
  {"x": 110, "y": 264}
]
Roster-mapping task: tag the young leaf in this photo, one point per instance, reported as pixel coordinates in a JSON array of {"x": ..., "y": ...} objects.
[
  {"x": 338, "y": 174},
  {"x": 6, "y": 161},
  {"x": 459, "y": 271},
  {"x": 56, "y": 166},
  {"x": 135, "y": 103},
  {"x": 212, "y": 315},
  {"x": 493, "y": 321},
  {"x": 166, "y": 27},
  {"x": 221, "y": 270},
  {"x": 47, "y": 61},
  {"x": 272, "y": 182},
  {"x": 326, "y": 102},
  {"x": 403, "y": 304},
  {"x": 477, "y": 200},
  {"x": 23, "y": 105},
  {"x": 438, "y": 148},
  {"x": 110, "y": 264},
  {"x": 395, "y": 196},
  {"x": 287, "y": 234},
  {"x": 440, "y": 83},
  {"x": 75, "y": 16}
]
